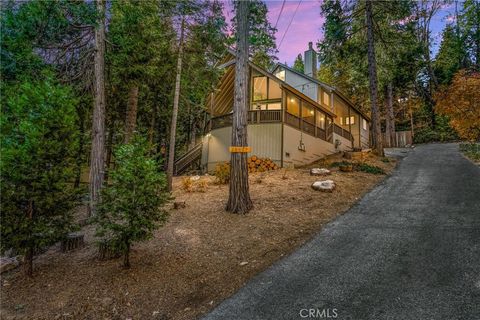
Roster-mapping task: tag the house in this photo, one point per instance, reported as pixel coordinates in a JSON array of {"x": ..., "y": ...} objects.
[
  {"x": 348, "y": 116},
  {"x": 293, "y": 119}
]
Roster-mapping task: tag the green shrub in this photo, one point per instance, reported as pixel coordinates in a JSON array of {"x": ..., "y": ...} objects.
[
  {"x": 368, "y": 168},
  {"x": 340, "y": 163},
  {"x": 471, "y": 150},
  {"x": 131, "y": 206},
  {"x": 443, "y": 132},
  {"x": 222, "y": 173}
]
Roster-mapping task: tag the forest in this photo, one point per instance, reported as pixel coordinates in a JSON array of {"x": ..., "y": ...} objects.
[{"x": 100, "y": 97}]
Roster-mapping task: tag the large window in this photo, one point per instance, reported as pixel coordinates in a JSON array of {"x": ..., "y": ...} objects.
[
  {"x": 308, "y": 113},
  {"x": 259, "y": 88},
  {"x": 293, "y": 105},
  {"x": 326, "y": 98},
  {"x": 320, "y": 120},
  {"x": 274, "y": 90}
]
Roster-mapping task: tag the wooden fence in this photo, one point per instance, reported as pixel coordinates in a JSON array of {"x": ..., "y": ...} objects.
[{"x": 402, "y": 139}]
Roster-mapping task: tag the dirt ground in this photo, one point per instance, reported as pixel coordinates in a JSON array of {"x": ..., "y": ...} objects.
[{"x": 202, "y": 255}]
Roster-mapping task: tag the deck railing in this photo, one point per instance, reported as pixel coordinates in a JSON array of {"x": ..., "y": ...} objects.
[
  {"x": 254, "y": 116},
  {"x": 270, "y": 116},
  {"x": 342, "y": 132}
]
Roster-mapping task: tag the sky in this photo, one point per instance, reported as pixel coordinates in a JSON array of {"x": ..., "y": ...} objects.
[{"x": 306, "y": 25}]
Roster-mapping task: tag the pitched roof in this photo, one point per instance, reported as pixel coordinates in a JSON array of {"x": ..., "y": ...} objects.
[
  {"x": 325, "y": 86},
  {"x": 225, "y": 99}
]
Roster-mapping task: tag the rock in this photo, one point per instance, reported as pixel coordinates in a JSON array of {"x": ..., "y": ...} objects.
[
  {"x": 195, "y": 178},
  {"x": 324, "y": 186},
  {"x": 7, "y": 264},
  {"x": 319, "y": 172},
  {"x": 243, "y": 263}
]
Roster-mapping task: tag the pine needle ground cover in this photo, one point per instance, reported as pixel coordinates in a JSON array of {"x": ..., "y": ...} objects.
[{"x": 200, "y": 257}]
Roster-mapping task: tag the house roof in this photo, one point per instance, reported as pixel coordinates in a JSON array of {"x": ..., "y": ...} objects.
[
  {"x": 224, "y": 100},
  {"x": 324, "y": 85}
]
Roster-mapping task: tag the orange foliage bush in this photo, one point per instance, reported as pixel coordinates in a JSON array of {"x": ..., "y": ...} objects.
[{"x": 460, "y": 101}]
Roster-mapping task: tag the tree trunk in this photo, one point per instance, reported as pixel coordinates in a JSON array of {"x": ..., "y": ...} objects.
[
  {"x": 28, "y": 262},
  {"x": 131, "y": 118},
  {"x": 239, "y": 197},
  {"x": 372, "y": 75},
  {"x": 97, "y": 160},
  {"x": 193, "y": 134},
  {"x": 126, "y": 257},
  {"x": 151, "y": 131},
  {"x": 109, "y": 151},
  {"x": 81, "y": 144},
  {"x": 176, "y": 98},
  {"x": 390, "y": 119}
]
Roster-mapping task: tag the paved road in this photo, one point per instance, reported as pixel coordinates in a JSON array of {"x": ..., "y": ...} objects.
[{"x": 410, "y": 249}]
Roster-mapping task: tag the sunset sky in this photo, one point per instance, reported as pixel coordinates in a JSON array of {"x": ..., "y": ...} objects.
[{"x": 307, "y": 25}]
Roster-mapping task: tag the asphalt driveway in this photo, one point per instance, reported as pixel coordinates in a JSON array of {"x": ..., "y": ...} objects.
[{"x": 410, "y": 249}]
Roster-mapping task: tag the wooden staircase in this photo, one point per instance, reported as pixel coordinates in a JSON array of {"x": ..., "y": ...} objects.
[{"x": 189, "y": 158}]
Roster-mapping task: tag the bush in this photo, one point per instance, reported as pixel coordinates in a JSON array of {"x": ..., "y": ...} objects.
[
  {"x": 222, "y": 173},
  {"x": 194, "y": 185},
  {"x": 187, "y": 184},
  {"x": 443, "y": 132},
  {"x": 131, "y": 205},
  {"x": 38, "y": 144},
  {"x": 471, "y": 150},
  {"x": 339, "y": 163},
  {"x": 368, "y": 168}
]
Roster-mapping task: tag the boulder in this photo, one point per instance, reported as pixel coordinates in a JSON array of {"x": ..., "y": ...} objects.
[
  {"x": 7, "y": 264},
  {"x": 324, "y": 185},
  {"x": 319, "y": 172}
]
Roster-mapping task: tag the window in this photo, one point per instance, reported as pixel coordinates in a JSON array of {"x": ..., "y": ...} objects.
[
  {"x": 293, "y": 105},
  {"x": 274, "y": 91},
  {"x": 341, "y": 120},
  {"x": 280, "y": 75},
  {"x": 326, "y": 98},
  {"x": 308, "y": 113},
  {"x": 274, "y": 106},
  {"x": 350, "y": 121},
  {"x": 320, "y": 120},
  {"x": 259, "y": 88},
  {"x": 364, "y": 124}
]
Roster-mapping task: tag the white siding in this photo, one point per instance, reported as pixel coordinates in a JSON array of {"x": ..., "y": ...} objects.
[
  {"x": 315, "y": 148},
  {"x": 265, "y": 140},
  {"x": 305, "y": 86}
]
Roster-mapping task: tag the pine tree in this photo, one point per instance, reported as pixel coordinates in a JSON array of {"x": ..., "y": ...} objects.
[
  {"x": 298, "y": 64},
  {"x": 131, "y": 205},
  {"x": 450, "y": 57},
  {"x": 38, "y": 144},
  {"x": 262, "y": 45},
  {"x": 239, "y": 197},
  {"x": 97, "y": 161},
  {"x": 139, "y": 39}
]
